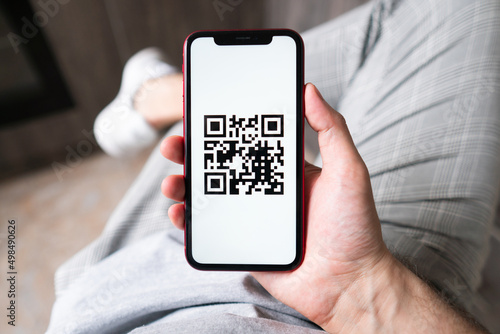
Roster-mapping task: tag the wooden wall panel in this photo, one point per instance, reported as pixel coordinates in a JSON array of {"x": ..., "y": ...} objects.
[
  {"x": 167, "y": 23},
  {"x": 80, "y": 37}
]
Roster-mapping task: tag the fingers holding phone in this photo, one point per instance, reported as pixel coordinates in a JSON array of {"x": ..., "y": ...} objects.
[
  {"x": 172, "y": 148},
  {"x": 172, "y": 186}
]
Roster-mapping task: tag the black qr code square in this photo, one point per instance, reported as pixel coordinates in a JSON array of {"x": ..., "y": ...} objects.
[
  {"x": 244, "y": 155},
  {"x": 215, "y": 183}
]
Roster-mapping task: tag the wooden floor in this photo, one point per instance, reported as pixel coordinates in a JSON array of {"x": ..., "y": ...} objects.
[{"x": 92, "y": 39}]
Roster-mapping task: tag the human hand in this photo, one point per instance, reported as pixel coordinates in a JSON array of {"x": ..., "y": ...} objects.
[
  {"x": 343, "y": 240},
  {"x": 343, "y": 235}
]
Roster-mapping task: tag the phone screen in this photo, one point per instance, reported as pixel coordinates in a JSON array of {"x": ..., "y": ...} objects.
[{"x": 244, "y": 118}]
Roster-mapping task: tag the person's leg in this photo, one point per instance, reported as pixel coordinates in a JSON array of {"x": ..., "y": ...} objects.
[
  {"x": 423, "y": 112},
  {"x": 149, "y": 100},
  {"x": 142, "y": 212},
  {"x": 336, "y": 51},
  {"x": 159, "y": 100},
  {"x": 418, "y": 85}
]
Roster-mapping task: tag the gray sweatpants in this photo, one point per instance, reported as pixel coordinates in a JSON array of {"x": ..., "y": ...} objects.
[{"x": 418, "y": 83}]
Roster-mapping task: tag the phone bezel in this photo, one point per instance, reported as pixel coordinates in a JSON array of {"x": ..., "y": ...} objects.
[{"x": 245, "y": 37}]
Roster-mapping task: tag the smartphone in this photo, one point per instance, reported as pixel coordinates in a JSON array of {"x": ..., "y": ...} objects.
[{"x": 244, "y": 162}]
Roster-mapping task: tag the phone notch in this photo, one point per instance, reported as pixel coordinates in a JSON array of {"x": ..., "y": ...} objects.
[{"x": 243, "y": 38}]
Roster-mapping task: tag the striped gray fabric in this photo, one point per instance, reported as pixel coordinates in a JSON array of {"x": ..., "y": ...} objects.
[
  {"x": 418, "y": 83},
  {"x": 423, "y": 109}
]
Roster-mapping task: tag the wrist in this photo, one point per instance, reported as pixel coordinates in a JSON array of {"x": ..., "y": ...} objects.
[
  {"x": 391, "y": 298},
  {"x": 373, "y": 300}
]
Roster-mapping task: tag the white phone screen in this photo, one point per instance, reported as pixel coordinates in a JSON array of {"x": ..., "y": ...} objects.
[{"x": 243, "y": 127}]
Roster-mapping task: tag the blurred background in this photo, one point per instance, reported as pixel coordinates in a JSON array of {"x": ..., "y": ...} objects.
[{"x": 60, "y": 64}]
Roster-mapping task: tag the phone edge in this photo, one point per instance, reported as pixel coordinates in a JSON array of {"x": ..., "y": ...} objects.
[{"x": 301, "y": 228}]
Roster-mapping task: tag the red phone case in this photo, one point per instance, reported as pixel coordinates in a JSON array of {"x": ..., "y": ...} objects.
[{"x": 300, "y": 242}]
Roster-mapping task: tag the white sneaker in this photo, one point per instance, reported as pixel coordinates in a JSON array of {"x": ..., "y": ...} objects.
[{"x": 119, "y": 129}]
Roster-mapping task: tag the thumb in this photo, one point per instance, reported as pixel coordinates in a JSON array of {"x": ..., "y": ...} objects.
[{"x": 335, "y": 141}]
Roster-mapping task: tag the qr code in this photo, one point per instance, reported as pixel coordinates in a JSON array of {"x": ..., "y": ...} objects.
[{"x": 244, "y": 156}]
